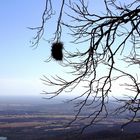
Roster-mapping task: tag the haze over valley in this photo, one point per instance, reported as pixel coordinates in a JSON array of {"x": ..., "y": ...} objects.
[{"x": 34, "y": 118}]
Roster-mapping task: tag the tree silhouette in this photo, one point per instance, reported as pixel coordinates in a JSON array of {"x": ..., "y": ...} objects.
[{"x": 111, "y": 50}]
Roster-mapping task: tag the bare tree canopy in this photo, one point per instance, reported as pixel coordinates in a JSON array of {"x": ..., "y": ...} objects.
[{"x": 109, "y": 51}]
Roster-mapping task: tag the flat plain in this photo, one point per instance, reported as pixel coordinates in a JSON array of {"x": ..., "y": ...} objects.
[{"x": 31, "y": 119}]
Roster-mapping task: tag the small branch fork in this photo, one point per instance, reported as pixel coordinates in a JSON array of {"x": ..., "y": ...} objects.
[{"x": 47, "y": 14}]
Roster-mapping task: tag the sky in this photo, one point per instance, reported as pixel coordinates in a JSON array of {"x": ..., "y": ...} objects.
[{"x": 21, "y": 66}]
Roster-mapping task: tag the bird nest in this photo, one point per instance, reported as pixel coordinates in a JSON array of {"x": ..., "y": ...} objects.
[{"x": 57, "y": 51}]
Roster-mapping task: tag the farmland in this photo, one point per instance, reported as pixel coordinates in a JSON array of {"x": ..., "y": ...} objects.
[{"x": 38, "y": 121}]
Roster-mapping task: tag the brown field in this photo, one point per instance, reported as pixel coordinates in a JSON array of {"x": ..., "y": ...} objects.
[{"x": 40, "y": 122}]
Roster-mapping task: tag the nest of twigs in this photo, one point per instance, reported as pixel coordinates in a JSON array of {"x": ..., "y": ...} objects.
[{"x": 57, "y": 51}]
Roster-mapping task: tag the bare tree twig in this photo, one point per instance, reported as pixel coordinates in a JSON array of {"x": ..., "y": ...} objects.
[{"x": 106, "y": 37}]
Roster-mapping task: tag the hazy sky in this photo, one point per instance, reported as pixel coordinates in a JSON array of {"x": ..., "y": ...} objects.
[{"x": 21, "y": 67}]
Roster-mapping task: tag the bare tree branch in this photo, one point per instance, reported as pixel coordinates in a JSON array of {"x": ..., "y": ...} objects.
[
  {"x": 105, "y": 37},
  {"x": 47, "y": 14}
]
